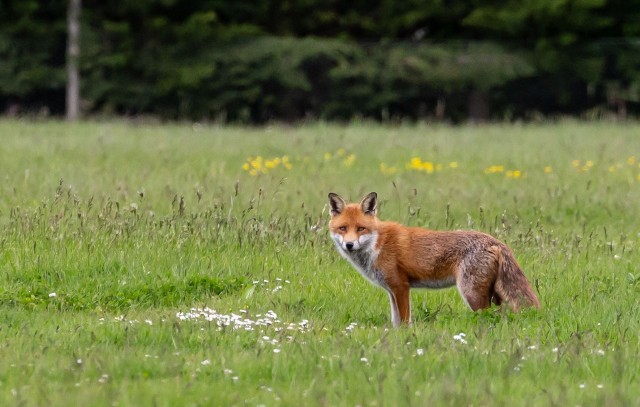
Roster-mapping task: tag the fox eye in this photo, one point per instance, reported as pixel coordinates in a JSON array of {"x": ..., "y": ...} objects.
[
  {"x": 360, "y": 228},
  {"x": 342, "y": 228}
]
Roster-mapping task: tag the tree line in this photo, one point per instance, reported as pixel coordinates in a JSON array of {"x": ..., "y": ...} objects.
[{"x": 255, "y": 61}]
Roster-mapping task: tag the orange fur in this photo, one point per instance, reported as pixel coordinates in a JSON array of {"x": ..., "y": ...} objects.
[{"x": 398, "y": 258}]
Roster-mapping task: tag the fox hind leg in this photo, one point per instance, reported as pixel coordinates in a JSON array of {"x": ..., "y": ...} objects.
[
  {"x": 475, "y": 285},
  {"x": 475, "y": 299},
  {"x": 495, "y": 298}
]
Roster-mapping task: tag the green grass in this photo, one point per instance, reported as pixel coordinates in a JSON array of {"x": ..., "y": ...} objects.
[{"x": 130, "y": 225}]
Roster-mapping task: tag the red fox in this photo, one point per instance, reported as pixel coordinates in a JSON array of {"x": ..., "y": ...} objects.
[{"x": 398, "y": 258}]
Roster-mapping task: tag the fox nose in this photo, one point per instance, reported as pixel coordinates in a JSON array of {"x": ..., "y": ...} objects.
[{"x": 349, "y": 245}]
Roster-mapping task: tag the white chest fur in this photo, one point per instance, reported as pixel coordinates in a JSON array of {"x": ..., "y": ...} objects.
[{"x": 363, "y": 259}]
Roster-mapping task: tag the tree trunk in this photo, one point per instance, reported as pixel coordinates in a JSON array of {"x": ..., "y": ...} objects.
[
  {"x": 440, "y": 108},
  {"x": 73, "y": 52},
  {"x": 478, "y": 106}
]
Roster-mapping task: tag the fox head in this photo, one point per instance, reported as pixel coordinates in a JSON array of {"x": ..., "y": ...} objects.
[{"x": 353, "y": 227}]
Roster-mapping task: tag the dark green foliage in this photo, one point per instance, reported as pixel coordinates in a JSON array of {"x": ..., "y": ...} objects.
[
  {"x": 408, "y": 79},
  {"x": 32, "y": 53},
  {"x": 265, "y": 60},
  {"x": 262, "y": 78}
]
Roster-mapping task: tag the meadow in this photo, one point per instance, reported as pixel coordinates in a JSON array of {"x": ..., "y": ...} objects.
[{"x": 190, "y": 265}]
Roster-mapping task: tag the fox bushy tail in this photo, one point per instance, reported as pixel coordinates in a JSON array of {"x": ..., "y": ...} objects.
[{"x": 511, "y": 284}]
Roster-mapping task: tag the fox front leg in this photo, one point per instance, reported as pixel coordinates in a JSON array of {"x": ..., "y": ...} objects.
[
  {"x": 400, "y": 307},
  {"x": 395, "y": 313}
]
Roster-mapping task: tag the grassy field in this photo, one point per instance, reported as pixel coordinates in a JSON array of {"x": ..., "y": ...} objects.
[{"x": 182, "y": 265}]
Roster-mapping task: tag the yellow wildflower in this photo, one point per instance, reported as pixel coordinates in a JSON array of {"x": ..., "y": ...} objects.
[
  {"x": 453, "y": 164},
  {"x": 428, "y": 167},
  {"x": 548, "y": 169},
  {"x": 514, "y": 174},
  {"x": 348, "y": 162},
  {"x": 327, "y": 156},
  {"x": 494, "y": 169},
  {"x": 257, "y": 163},
  {"x": 417, "y": 164},
  {"x": 631, "y": 160},
  {"x": 386, "y": 170},
  {"x": 575, "y": 163}
]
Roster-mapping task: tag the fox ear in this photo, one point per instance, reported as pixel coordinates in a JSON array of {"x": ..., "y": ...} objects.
[
  {"x": 369, "y": 204},
  {"x": 337, "y": 204}
]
